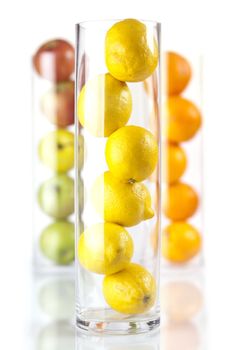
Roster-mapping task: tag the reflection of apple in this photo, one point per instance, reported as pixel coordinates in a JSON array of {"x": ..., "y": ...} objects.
[
  {"x": 56, "y": 150},
  {"x": 56, "y": 196},
  {"x": 57, "y": 242},
  {"x": 54, "y": 60},
  {"x": 56, "y": 336},
  {"x": 58, "y": 104},
  {"x": 57, "y": 298},
  {"x": 83, "y": 73},
  {"x": 81, "y": 152}
]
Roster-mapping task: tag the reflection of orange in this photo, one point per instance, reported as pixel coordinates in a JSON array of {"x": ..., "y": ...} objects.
[
  {"x": 180, "y": 336},
  {"x": 155, "y": 238},
  {"x": 174, "y": 162},
  {"x": 181, "y": 300},
  {"x": 182, "y": 119},
  {"x": 180, "y": 242},
  {"x": 180, "y": 201},
  {"x": 151, "y": 86},
  {"x": 178, "y": 73}
]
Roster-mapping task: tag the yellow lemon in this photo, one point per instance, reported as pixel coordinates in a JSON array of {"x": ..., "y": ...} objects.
[
  {"x": 56, "y": 150},
  {"x": 104, "y": 105},
  {"x": 105, "y": 248},
  {"x": 131, "y": 153},
  {"x": 130, "y": 291},
  {"x": 126, "y": 204},
  {"x": 131, "y": 52}
]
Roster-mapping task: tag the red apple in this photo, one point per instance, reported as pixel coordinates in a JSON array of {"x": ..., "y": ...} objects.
[
  {"x": 55, "y": 60},
  {"x": 58, "y": 104}
]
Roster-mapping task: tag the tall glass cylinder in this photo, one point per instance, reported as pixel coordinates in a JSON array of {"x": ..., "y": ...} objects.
[
  {"x": 118, "y": 219},
  {"x": 53, "y": 154},
  {"x": 183, "y": 119}
]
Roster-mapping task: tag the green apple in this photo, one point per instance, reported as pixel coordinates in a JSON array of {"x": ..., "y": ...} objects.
[
  {"x": 56, "y": 196},
  {"x": 56, "y": 150},
  {"x": 57, "y": 242}
]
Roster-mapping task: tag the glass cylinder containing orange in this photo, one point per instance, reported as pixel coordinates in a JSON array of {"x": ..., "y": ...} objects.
[{"x": 182, "y": 223}]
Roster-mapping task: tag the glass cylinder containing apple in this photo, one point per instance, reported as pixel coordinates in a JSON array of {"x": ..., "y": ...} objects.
[{"x": 53, "y": 66}]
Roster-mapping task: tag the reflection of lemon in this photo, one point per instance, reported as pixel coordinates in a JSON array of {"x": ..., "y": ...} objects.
[
  {"x": 105, "y": 248},
  {"x": 130, "y": 291},
  {"x": 125, "y": 204},
  {"x": 131, "y": 52},
  {"x": 131, "y": 153},
  {"x": 104, "y": 105}
]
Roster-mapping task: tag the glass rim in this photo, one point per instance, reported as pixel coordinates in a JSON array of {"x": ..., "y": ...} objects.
[{"x": 151, "y": 22}]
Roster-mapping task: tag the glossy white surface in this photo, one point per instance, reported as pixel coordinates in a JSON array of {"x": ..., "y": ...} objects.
[
  {"x": 51, "y": 318},
  {"x": 22, "y": 24}
]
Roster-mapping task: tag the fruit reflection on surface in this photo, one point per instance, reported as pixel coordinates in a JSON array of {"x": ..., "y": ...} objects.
[
  {"x": 183, "y": 119},
  {"x": 57, "y": 242},
  {"x": 105, "y": 248},
  {"x": 180, "y": 242},
  {"x": 174, "y": 162},
  {"x": 131, "y": 153},
  {"x": 55, "y": 60},
  {"x": 130, "y": 291},
  {"x": 58, "y": 104},
  {"x": 131, "y": 54},
  {"x": 178, "y": 73},
  {"x": 58, "y": 335},
  {"x": 180, "y": 336},
  {"x": 180, "y": 201},
  {"x": 104, "y": 105},
  {"x": 56, "y": 150},
  {"x": 181, "y": 300},
  {"x": 56, "y": 196},
  {"x": 57, "y": 298},
  {"x": 126, "y": 204}
]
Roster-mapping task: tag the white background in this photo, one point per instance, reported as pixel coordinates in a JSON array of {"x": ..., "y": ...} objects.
[{"x": 207, "y": 26}]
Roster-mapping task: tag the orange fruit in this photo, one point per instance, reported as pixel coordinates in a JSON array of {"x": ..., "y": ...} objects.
[
  {"x": 175, "y": 162},
  {"x": 182, "y": 119},
  {"x": 178, "y": 73},
  {"x": 180, "y": 242},
  {"x": 180, "y": 201}
]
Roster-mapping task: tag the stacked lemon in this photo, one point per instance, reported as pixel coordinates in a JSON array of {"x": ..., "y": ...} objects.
[
  {"x": 118, "y": 195},
  {"x": 180, "y": 241}
]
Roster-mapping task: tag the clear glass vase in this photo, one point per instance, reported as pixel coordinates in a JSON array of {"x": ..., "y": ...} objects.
[
  {"x": 118, "y": 217},
  {"x": 182, "y": 178},
  {"x": 53, "y": 66}
]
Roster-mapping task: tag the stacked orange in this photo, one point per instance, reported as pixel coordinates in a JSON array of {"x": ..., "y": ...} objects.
[{"x": 182, "y": 119}]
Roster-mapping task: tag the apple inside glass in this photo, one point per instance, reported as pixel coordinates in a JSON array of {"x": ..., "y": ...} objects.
[
  {"x": 57, "y": 242},
  {"x": 57, "y": 104}
]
